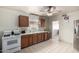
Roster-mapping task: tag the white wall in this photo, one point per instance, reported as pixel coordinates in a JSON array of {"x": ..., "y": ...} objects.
[
  {"x": 9, "y": 18},
  {"x": 66, "y": 31}
]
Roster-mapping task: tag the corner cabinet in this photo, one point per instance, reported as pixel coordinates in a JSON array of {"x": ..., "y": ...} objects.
[
  {"x": 31, "y": 39},
  {"x": 23, "y": 21}
]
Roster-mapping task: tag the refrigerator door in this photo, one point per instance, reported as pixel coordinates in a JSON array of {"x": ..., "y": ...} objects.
[
  {"x": 76, "y": 44},
  {"x": 76, "y": 35}
]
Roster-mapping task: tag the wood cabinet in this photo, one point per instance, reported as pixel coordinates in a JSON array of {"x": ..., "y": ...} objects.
[
  {"x": 23, "y": 21},
  {"x": 42, "y": 21},
  {"x": 42, "y": 36},
  {"x": 46, "y": 37},
  {"x": 31, "y": 39},
  {"x": 35, "y": 38},
  {"x": 39, "y": 37},
  {"x": 24, "y": 41}
]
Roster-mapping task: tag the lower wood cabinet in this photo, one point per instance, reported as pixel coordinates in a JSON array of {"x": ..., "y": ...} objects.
[
  {"x": 39, "y": 37},
  {"x": 24, "y": 41},
  {"x": 31, "y": 39},
  {"x": 46, "y": 36},
  {"x": 42, "y": 36},
  {"x": 35, "y": 38}
]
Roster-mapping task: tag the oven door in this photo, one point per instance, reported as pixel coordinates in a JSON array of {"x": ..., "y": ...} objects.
[{"x": 11, "y": 42}]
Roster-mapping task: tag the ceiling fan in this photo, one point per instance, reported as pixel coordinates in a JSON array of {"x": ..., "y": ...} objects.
[{"x": 49, "y": 10}]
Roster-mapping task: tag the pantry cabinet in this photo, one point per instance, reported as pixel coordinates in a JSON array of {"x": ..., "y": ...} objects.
[{"x": 31, "y": 39}]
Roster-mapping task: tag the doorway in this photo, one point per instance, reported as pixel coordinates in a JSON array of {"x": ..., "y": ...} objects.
[{"x": 55, "y": 30}]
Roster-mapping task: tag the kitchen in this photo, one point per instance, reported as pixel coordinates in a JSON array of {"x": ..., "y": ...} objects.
[
  {"x": 27, "y": 30},
  {"x": 22, "y": 27}
]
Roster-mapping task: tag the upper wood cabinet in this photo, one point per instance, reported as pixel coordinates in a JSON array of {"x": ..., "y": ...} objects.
[
  {"x": 42, "y": 21},
  {"x": 23, "y": 21}
]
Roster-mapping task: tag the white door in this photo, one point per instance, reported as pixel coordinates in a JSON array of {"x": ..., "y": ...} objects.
[{"x": 55, "y": 30}]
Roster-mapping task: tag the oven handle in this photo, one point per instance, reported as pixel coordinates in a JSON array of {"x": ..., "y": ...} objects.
[{"x": 13, "y": 48}]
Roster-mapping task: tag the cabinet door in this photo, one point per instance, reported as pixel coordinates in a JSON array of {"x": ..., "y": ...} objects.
[
  {"x": 39, "y": 37},
  {"x": 30, "y": 39},
  {"x": 23, "y": 21},
  {"x": 24, "y": 41},
  {"x": 76, "y": 43},
  {"x": 42, "y": 21},
  {"x": 46, "y": 36},
  {"x": 42, "y": 36},
  {"x": 35, "y": 38}
]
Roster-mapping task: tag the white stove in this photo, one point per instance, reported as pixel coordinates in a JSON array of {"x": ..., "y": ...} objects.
[{"x": 11, "y": 43}]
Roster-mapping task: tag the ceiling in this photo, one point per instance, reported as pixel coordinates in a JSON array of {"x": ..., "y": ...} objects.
[
  {"x": 35, "y": 9},
  {"x": 68, "y": 9}
]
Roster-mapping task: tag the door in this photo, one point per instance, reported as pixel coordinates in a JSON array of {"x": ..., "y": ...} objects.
[
  {"x": 46, "y": 36},
  {"x": 76, "y": 35},
  {"x": 42, "y": 21},
  {"x": 30, "y": 39},
  {"x": 23, "y": 21},
  {"x": 42, "y": 36},
  {"x": 10, "y": 42},
  {"x": 24, "y": 41},
  {"x": 39, "y": 37},
  {"x": 34, "y": 38}
]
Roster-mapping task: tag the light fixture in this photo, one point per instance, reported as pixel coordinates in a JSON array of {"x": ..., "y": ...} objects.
[
  {"x": 48, "y": 10},
  {"x": 66, "y": 17},
  {"x": 51, "y": 8}
]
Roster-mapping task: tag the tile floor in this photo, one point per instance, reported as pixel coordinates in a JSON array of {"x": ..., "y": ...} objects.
[{"x": 50, "y": 47}]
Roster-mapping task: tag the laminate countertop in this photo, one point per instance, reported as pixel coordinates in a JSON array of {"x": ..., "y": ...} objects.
[{"x": 27, "y": 33}]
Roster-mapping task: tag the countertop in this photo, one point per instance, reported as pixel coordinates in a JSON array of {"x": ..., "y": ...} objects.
[{"x": 27, "y": 33}]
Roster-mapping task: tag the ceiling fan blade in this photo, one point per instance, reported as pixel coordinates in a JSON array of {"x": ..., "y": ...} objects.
[{"x": 51, "y": 9}]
